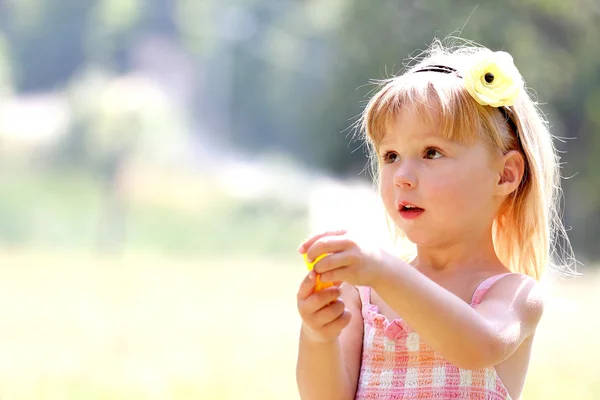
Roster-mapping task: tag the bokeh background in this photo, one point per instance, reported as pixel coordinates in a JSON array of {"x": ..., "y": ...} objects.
[{"x": 161, "y": 160}]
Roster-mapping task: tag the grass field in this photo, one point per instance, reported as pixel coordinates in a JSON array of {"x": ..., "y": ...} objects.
[{"x": 141, "y": 327}]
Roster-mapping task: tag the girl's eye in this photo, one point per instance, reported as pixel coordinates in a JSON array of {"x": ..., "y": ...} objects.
[
  {"x": 432, "y": 154},
  {"x": 390, "y": 157}
]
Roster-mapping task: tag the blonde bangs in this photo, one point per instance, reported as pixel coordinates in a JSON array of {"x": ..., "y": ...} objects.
[{"x": 439, "y": 101}]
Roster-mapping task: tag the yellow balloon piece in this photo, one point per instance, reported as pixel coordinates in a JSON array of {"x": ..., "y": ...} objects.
[{"x": 310, "y": 265}]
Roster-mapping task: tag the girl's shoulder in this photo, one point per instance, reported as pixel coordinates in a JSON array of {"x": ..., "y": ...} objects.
[
  {"x": 486, "y": 284},
  {"x": 511, "y": 292}
]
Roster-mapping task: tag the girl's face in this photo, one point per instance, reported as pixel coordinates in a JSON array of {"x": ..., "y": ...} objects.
[{"x": 437, "y": 191}]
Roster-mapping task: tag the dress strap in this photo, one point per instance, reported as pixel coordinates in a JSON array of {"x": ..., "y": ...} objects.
[
  {"x": 365, "y": 295},
  {"x": 365, "y": 299},
  {"x": 485, "y": 286}
]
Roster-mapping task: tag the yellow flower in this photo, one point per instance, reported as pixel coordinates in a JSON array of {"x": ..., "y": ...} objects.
[{"x": 493, "y": 80}]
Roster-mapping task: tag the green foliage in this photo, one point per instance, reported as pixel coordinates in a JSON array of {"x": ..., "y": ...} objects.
[
  {"x": 293, "y": 76},
  {"x": 71, "y": 212},
  {"x": 254, "y": 227},
  {"x": 65, "y": 218},
  {"x": 45, "y": 39}
]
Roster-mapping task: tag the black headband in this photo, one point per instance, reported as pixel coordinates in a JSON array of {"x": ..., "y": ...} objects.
[{"x": 439, "y": 68}]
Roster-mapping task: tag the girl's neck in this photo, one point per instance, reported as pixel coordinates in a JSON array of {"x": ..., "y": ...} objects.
[{"x": 474, "y": 254}]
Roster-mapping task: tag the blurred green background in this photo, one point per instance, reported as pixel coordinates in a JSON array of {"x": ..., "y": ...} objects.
[{"x": 160, "y": 161}]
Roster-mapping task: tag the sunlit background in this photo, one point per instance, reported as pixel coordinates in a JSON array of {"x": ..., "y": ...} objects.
[{"x": 161, "y": 160}]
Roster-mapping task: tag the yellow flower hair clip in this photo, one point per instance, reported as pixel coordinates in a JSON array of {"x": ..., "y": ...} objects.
[{"x": 493, "y": 80}]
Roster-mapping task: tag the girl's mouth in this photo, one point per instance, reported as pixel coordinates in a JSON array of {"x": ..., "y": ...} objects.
[{"x": 409, "y": 211}]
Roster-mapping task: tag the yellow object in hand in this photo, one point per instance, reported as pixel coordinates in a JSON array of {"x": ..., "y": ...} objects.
[{"x": 319, "y": 285}]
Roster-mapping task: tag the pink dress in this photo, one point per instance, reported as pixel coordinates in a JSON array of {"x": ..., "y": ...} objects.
[{"x": 397, "y": 364}]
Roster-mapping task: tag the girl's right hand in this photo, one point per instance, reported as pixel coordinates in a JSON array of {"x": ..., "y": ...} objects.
[{"x": 323, "y": 313}]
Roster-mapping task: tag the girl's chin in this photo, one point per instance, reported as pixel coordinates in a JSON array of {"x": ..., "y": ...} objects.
[
  {"x": 421, "y": 235},
  {"x": 422, "y": 239}
]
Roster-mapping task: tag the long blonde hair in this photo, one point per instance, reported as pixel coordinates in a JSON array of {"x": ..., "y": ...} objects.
[{"x": 528, "y": 224}]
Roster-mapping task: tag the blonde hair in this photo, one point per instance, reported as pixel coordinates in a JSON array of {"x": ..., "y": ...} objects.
[{"x": 528, "y": 224}]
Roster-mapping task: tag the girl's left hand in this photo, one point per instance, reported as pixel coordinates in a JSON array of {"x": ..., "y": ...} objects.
[{"x": 348, "y": 260}]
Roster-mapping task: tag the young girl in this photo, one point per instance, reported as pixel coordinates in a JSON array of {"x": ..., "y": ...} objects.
[{"x": 468, "y": 173}]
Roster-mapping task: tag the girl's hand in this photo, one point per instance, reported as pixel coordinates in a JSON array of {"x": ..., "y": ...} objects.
[
  {"x": 323, "y": 313},
  {"x": 347, "y": 260}
]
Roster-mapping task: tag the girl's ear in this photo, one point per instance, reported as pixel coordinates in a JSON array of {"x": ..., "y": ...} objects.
[{"x": 512, "y": 173}]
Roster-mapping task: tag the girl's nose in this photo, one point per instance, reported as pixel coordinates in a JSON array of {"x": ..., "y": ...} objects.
[{"x": 405, "y": 177}]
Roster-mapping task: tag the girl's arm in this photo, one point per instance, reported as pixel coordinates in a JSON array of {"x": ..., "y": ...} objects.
[
  {"x": 330, "y": 370},
  {"x": 468, "y": 337}
]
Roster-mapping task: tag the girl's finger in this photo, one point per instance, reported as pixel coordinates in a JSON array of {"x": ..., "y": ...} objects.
[
  {"x": 329, "y": 313},
  {"x": 338, "y": 274},
  {"x": 326, "y": 245},
  {"x": 333, "y": 261},
  {"x": 307, "y": 287},
  {"x": 338, "y": 324},
  {"x": 308, "y": 242},
  {"x": 319, "y": 300}
]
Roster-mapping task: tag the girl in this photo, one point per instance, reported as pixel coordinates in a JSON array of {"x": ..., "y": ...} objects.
[{"x": 468, "y": 173}]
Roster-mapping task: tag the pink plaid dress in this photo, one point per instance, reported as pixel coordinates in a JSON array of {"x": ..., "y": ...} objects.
[{"x": 397, "y": 364}]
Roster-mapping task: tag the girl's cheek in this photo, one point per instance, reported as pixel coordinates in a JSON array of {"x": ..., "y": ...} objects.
[
  {"x": 388, "y": 198},
  {"x": 387, "y": 185},
  {"x": 445, "y": 188}
]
